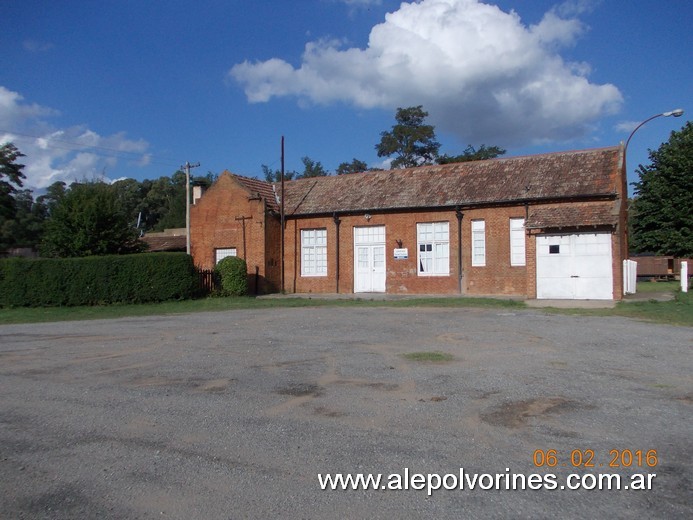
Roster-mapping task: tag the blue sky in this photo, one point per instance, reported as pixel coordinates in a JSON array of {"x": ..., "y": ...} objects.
[{"x": 127, "y": 88}]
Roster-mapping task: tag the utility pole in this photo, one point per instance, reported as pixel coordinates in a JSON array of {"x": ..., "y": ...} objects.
[
  {"x": 243, "y": 219},
  {"x": 186, "y": 168},
  {"x": 282, "y": 219}
]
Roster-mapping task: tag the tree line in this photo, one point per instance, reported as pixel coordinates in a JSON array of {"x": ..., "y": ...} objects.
[
  {"x": 89, "y": 217},
  {"x": 93, "y": 217},
  {"x": 410, "y": 142}
]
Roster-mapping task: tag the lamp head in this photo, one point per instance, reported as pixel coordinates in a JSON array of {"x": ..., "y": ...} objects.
[{"x": 676, "y": 113}]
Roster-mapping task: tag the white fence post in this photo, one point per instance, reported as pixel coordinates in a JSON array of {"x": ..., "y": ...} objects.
[
  {"x": 630, "y": 276},
  {"x": 684, "y": 276}
]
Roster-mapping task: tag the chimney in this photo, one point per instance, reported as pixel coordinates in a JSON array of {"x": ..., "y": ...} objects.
[{"x": 198, "y": 191}]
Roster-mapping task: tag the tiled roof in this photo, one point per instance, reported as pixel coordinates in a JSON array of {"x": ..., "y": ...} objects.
[
  {"x": 165, "y": 243},
  {"x": 572, "y": 216},
  {"x": 256, "y": 186},
  {"x": 578, "y": 174}
]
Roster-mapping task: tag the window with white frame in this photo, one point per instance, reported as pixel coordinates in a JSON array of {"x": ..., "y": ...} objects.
[
  {"x": 517, "y": 241},
  {"x": 313, "y": 252},
  {"x": 433, "y": 241},
  {"x": 478, "y": 243},
  {"x": 222, "y": 253}
]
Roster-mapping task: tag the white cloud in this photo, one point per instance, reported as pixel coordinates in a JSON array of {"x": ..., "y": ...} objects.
[
  {"x": 14, "y": 112},
  {"x": 576, "y": 7},
  {"x": 626, "y": 126},
  {"x": 480, "y": 72},
  {"x": 61, "y": 154}
]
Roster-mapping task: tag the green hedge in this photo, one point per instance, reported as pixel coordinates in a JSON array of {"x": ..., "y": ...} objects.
[
  {"x": 96, "y": 280},
  {"x": 233, "y": 272}
]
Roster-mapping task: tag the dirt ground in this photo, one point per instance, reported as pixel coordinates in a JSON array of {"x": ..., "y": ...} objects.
[{"x": 234, "y": 414}]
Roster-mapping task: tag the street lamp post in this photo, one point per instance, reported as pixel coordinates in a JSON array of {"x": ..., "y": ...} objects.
[{"x": 678, "y": 112}]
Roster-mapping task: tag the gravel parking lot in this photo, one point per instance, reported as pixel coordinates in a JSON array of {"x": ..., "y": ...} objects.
[{"x": 234, "y": 414}]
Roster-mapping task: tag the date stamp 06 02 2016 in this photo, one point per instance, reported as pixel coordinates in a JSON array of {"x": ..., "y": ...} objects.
[{"x": 585, "y": 458}]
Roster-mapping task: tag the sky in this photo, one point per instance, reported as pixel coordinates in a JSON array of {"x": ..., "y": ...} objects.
[{"x": 136, "y": 88}]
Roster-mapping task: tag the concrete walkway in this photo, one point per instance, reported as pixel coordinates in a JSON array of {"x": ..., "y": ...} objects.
[
  {"x": 660, "y": 296},
  {"x": 561, "y": 304},
  {"x": 558, "y": 304},
  {"x": 377, "y": 296},
  {"x": 572, "y": 304}
]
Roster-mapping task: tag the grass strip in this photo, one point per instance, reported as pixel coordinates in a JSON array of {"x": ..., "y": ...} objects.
[
  {"x": 678, "y": 311},
  {"x": 49, "y": 314}
]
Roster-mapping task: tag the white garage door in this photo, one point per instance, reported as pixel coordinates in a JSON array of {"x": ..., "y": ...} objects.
[{"x": 574, "y": 267}]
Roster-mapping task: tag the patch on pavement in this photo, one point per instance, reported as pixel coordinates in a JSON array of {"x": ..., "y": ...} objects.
[
  {"x": 516, "y": 413},
  {"x": 301, "y": 389},
  {"x": 196, "y": 384}
]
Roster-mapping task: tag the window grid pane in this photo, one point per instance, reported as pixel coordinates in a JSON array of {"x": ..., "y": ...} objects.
[
  {"x": 478, "y": 243},
  {"x": 223, "y": 253},
  {"x": 313, "y": 252},
  {"x": 517, "y": 242},
  {"x": 433, "y": 248}
]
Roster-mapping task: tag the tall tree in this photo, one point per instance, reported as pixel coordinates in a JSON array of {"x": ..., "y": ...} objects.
[
  {"x": 163, "y": 205},
  {"x": 173, "y": 210},
  {"x": 276, "y": 175},
  {"x": 472, "y": 154},
  {"x": 130, "y": 194},
  {"x": 89, "y": 220},
  {"x": 26, "y": 229},
  {"x": 54, "y": 193},
  {"x": 312, "y": 168},
  {"x": 662, "y": 210},
  {"x": 11, "y": 178},
  {"x": 355, "y": 166},
  {"x": 410, "y": 140}
]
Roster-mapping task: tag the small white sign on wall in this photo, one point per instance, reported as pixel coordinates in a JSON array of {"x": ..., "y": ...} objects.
[{"x": 401, "y": 253}]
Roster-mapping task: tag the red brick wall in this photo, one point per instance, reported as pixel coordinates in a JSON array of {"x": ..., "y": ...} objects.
[
  {"x": 213, "y": 225},
  {"x": 498, "y": 277}
]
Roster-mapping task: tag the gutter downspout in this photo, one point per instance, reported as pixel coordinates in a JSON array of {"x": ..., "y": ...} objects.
[
  {"x": 459, "y": 215},
  {"x": 337, "y": 222}
]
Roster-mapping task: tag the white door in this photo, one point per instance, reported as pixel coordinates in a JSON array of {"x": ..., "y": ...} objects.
[
  {"x": 574, "y": 267},
  {"x": 369, "y": 259}
]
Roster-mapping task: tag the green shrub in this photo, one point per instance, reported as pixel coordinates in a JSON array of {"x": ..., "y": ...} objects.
[
  {"x": 233, "y": 273},
  {"x": 96, "y": 280}
]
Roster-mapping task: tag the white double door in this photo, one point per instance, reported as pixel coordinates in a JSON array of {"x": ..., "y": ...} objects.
[{"x": 369, "y": 259}]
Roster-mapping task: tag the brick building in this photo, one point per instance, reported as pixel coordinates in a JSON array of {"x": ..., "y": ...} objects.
[{"x": 542, "y": 226}]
